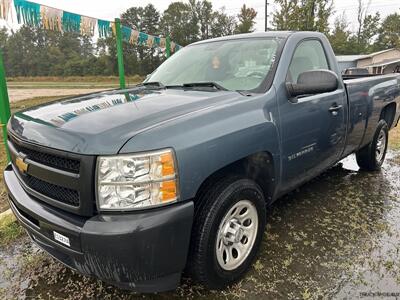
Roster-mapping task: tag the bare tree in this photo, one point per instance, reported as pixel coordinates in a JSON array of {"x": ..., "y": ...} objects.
[{"x": 362, "y": 12}]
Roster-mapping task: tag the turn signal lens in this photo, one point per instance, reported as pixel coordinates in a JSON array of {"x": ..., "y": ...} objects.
[
  {"x": 168, "y": 191},
  {"x": 167, "y": 163}
]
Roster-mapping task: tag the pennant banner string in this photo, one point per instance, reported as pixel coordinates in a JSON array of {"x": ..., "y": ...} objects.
[{"x": 50, "y": 18}]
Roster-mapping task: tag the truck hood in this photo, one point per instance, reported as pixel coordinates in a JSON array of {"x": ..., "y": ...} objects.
[{"x": 101, "y": 123}]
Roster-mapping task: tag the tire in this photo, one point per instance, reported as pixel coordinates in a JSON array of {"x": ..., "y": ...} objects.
[
  {"x": 372, "y": 156},
  {"x": 232, "y": 200}
]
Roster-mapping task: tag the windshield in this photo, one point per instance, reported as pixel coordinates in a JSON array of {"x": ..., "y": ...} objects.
[{"x": 241, "y": 64}]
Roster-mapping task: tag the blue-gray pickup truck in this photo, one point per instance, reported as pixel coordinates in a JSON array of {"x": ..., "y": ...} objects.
[{"x": 137, "y": 186}]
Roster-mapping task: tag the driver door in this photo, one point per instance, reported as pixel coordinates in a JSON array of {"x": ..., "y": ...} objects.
[{"x": 313, "y": 135}]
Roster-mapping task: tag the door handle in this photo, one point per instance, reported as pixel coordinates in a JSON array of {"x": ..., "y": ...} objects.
[{"x": 335, "y": 107}]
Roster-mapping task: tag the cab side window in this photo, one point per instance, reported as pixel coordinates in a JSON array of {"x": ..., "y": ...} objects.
[{"x": 308, "y": 56}]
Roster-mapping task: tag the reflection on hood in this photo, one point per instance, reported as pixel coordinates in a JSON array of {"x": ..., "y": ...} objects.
[{"x": 106, "y": 102}]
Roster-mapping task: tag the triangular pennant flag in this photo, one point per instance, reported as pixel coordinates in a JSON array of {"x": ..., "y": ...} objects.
[
  {"x": 143, "y": 38},
  {"x": 88, "y": 25},
  {"x": 27, "y": 12},
  {"x": 114, "y": 28},
  {"x": 163, "y": 42},
  {"x": 134, "y": 37},
  {"x": 157, "y": 40},
  {"x": 71, "y": 22},
  {"x": 51, "y": 18},
  {"x": 126, "y": 33},
  {"x": 104, "y": 28},
  {"x": 150, "y": 41},
  {"x": 5, "y": 9},
  {"x": 173, "y": 45}
]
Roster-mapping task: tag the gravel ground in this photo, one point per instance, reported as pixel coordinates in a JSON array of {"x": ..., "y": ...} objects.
[
  {"x": 16, "y": 95},
  {"x": 336, "y": 237}
]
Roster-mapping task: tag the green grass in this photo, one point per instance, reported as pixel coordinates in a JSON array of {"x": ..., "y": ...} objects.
[{"x": 9, "y": 229}]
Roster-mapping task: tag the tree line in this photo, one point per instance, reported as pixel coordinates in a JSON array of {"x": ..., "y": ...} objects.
[
  {"x": 373, "y": 33},
  {"x": 38, "y": 52}
]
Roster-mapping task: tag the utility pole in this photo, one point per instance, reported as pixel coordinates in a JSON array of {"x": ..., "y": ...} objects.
[{"x": 266, "y": 15}]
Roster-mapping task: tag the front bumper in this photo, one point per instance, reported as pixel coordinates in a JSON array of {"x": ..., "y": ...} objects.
[{"x": 142, "y": 251}]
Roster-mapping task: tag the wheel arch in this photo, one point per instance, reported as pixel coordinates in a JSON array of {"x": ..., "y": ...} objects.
[
  {"x": 388, "y": 114},
  {"x": 259, "y": 167}
]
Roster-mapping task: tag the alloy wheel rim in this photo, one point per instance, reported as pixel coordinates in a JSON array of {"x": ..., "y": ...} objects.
[
  {"x": 236, "y": 235},
  {"x": 380, "y": 146}
]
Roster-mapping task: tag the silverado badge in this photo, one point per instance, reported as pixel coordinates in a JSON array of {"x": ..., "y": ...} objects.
[{"x": 21, "y": 165}]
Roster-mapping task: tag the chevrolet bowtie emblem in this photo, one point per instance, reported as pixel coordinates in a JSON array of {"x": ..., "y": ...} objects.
[{"x": 21, "y": 165}]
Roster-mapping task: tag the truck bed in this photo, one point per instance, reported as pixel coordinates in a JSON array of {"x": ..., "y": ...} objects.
[
  {"x": 358, "y": 76},
  {"x": 367, "y": 95}
]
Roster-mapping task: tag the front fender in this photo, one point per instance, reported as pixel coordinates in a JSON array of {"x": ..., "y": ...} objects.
[{"x": 210, "y": 140}]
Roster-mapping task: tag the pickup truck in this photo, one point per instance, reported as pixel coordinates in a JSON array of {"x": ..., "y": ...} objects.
[{"x": 140, "y": 185}]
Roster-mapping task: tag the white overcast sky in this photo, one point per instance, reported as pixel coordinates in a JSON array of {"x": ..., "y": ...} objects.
[{"x": 110, "y": 9}]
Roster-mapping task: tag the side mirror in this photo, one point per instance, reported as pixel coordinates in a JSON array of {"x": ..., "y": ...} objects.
[{"x": 313, "y": 82}]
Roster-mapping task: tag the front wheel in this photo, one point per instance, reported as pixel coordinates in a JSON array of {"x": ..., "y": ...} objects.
[
  {"x": 372, "y": 156},
  {"x": 227, "y": 233}
]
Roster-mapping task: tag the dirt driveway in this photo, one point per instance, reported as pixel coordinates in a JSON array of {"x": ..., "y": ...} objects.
[
  {"x": 336, "y": 237},
  {"x": 23, "y": 94}
]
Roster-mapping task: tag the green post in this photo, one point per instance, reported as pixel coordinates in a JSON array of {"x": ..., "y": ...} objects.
[
  {"x": 168, "y": 46},
  {"x": 4, "y": 104},
  {"x": 120, "y": 54}
]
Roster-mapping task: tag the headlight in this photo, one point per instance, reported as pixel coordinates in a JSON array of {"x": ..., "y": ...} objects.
[{"x": 128, "y": 182}]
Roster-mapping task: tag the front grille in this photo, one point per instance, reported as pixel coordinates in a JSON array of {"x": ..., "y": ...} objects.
[
  {"x": 51, "y": 160},
  {"x": 46, "y": 180},
  {"x": 55, "y": 192}
]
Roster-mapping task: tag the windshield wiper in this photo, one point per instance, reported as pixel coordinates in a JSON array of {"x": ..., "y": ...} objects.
[
  {"x": 176, "y": 86},
  {"x": 207, "y": 84},
  {"x": 153, "y": 84},
  {"x": 210, "y": 84},
  {"x": 244, "y": 93}
]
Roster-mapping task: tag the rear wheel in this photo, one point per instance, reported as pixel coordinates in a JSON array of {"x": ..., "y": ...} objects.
[
  {"x": 372, "y": 156},
  {"x": 227, "y": 233}
]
